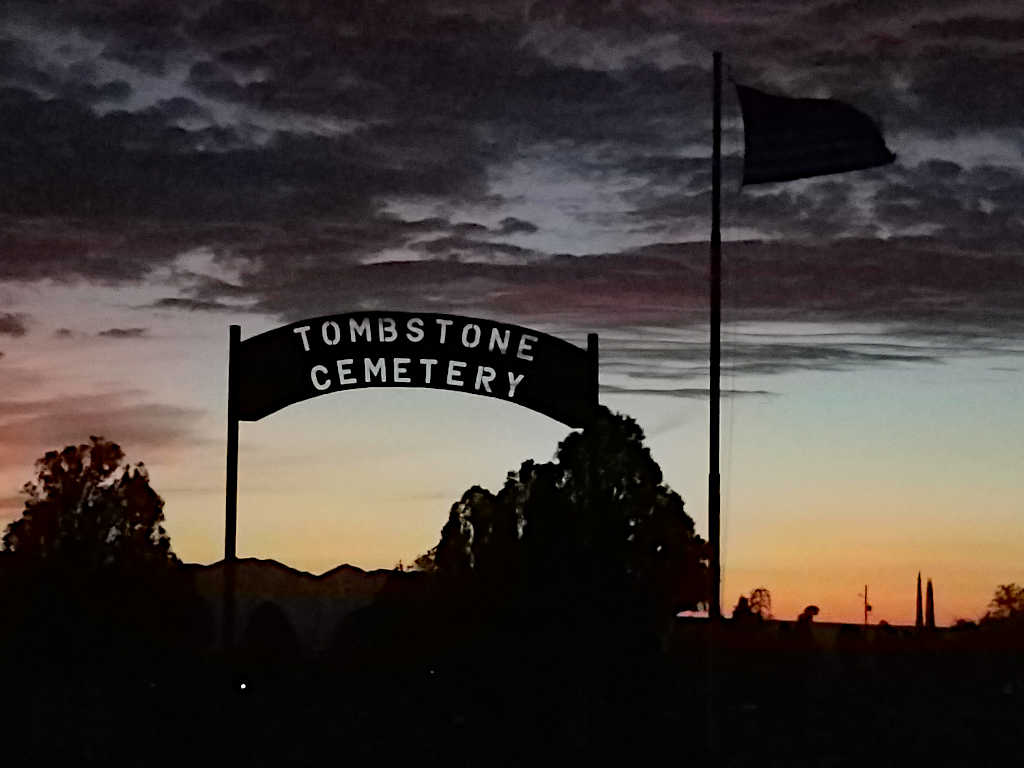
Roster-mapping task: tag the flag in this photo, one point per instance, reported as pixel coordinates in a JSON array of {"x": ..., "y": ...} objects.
[{"x": 786, "y": 139}]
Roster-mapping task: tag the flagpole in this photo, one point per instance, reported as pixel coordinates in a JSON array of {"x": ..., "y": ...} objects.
[
  {"x": 714, "y": 480},
  {"x": 714, "y": 523},
  {"x": 231, "y": 496}
]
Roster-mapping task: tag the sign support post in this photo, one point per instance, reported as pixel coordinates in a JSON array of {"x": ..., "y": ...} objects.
[{"x": 592, "y": 353}]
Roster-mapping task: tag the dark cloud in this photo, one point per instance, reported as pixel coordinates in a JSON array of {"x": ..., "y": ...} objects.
[
  {"x": 307, "y": 132},
  {"x": 180, "y": 108},
  {"x": 683, "y": 392},
  {"x": 12, "y": 324},
  {"x": 469, "y": 229},
  {"x": 444, "y": 91},
  {"x": 455, "y": 247},
  {"x": 22, "y": 66},
  {"x": 510, "y": 225},
  {"x": 996, "y": 29},
  {"x": 67, "y": 250},
  {"x": 63, "y": 160},
  {"x": 111, "y": 91},
  {"x": 238, "y": 17},
  {"x": 32, "y": 427},
  {"x": 193, "y": 305},
  {"x": 666, "y": 359},
  {"x": 124, "y": 333},
  {"x": 967, "y": 299}
]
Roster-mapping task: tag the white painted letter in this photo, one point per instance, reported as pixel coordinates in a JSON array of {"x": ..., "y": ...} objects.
[
  {"x": 344, "y": 372},
  {"x": 415, "y": 329},
  {"x": 484, "y": 379},
  {"x": 401, "y": 376},
  {"x": 358, "y": 329},
  {"x": 513, "y": 381},
  {"x": 525, "y": 346},
  {"x": 455, "y": 376},
  {"x": 444, "y": 327},
  {"x": 378, "y": 368},
  {"x": 303, "y": 330},
  {"x": 321, "y": 369},
  {"x": 427, "y": 364},
  {"x": 386, "y": 324},
  {"x": 466, "y": 334},
  {"x": 497, "y": 341},
  {"x": 335, "y": 333}
]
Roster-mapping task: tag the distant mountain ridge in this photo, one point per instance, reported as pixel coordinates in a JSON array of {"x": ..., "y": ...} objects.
[{"x": 314, "y": 605}]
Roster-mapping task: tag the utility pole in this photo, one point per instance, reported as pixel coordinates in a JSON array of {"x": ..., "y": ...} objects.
[{"x": 867, "y": 605}]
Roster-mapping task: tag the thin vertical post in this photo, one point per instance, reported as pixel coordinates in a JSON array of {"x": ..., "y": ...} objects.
[
  {"x": 714, "y": 483},
  {"x": 714, "y": 479},
  {"x": 592, "y": 430},
  {"x": 593, "y": 355},
  {"x": 231, "y": 493},
  {"x": 919, "y": 620},
  {"x": 593, "y": 493}
]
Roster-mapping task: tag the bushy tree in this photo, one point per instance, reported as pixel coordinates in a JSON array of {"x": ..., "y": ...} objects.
[
  {"x": 757, "y": 606},
  {"x": 81, "y": 512},
  {"x": 91, "y": 572},
  {"x": 1007, "y": 604},
  {"x": 761, "y": 602},
  {"x": 594, "y": 531}
]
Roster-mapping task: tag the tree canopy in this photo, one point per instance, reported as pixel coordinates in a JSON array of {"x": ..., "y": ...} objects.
[
  {"x": 90, "y": 570},
  {"x": 757, "y": 606},
  {"x": 86, "y": 511},
  {"x": 1007, "y": 604},
  {"x": 594, "y": 530}
]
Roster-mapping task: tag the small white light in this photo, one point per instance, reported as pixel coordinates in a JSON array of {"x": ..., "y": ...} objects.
[{"x": 242, "y": 686}]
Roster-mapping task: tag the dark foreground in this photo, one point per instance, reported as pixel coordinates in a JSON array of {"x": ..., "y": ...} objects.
[{"x": 465, "y": 695}]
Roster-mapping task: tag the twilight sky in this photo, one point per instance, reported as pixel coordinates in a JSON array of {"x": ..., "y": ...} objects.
[{"x": 169, "y": 168}]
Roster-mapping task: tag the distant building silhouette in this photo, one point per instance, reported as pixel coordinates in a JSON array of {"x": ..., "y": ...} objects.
[
  {"x": 919, "y": 621},
  {"x": 929, "y": 614}
]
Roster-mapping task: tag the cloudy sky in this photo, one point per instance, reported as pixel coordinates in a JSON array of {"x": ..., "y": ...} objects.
[{"x": 170, "y": 168}]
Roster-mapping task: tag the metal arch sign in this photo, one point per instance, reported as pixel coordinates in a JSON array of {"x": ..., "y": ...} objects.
[{"x": 336, "y": 353}]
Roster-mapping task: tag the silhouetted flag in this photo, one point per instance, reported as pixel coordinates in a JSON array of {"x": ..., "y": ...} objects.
[{"x": 786, "y": 139}]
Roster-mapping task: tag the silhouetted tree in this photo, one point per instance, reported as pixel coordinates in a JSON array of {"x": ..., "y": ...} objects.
[
  {"x": 742, "y": 611},
  {"x": 90, "y": 560},
  {"x": 761, "y": 602},
  {"x": 929, "y": 612},
  {"x": 808, "y": 614},
  {"x": 757, "y": 606},
  {"x": 82, "y": 513},
  {"x": 1007, "y": 603},
  {"x": 596, "y": 530}
]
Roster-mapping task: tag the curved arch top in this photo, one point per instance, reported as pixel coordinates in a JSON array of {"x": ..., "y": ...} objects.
[{"x": 355, "y": 350}]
